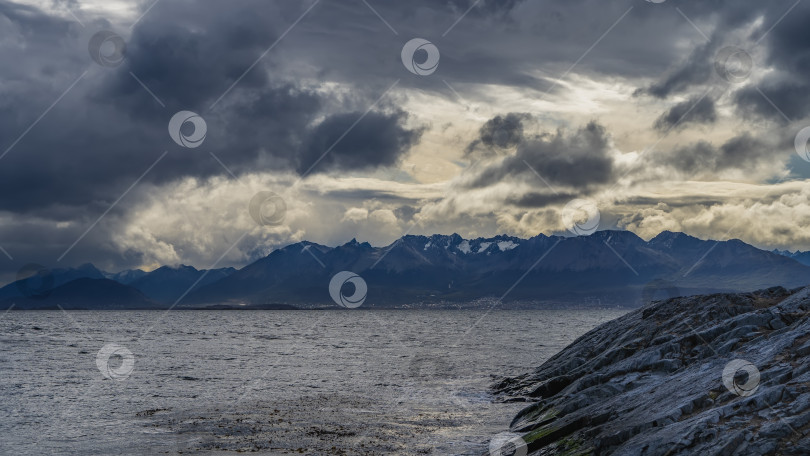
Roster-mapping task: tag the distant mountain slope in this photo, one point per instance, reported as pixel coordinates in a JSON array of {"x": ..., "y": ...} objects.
[
  {"x": 87, "y": 294},
  {"x": 606, "y": 268},
  {"x": 57, "y": 277},
  {"x": 167, "y": 283},
  {"x": 164, "y": 284},
  {"x": 126, "y": 277}
]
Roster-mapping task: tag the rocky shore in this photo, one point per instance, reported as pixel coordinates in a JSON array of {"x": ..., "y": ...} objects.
[{"x": 722, "y": 374}]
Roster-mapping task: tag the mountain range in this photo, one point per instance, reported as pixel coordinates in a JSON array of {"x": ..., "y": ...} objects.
[
  {"x": 88, "y": 287},
  {"x": 801, "y": 257},
  {"x": 607, "y": 268}
]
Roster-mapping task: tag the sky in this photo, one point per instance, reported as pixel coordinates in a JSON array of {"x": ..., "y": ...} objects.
[{"x": 137, "y": 134}]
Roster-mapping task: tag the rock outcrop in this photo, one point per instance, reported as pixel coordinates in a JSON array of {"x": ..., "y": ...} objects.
[{"x": 723, "y": 374}]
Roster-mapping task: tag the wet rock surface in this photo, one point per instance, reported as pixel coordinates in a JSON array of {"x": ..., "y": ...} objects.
[{"x": 723, "y": 374}]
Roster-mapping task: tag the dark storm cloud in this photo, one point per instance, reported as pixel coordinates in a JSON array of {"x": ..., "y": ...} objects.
[
  {"x": 577, "y": 159},
  {"x": 502, "y": 43},
  {"x": 538, "y": 199},
  {"x": 405, "y": 213},
  {"x": 700, "y": 110},
  {"x": 786, "y": 99},
  {"x": 108, "y": 130},
  {"x": 780, "y": 42},
  {"x": 352, "y": 195},
  {"x": 694, "y": 158},
  {"x": 500, "y": 132},
  {"x": 679, "y": 201},
  {"x": 378, "y": 140},
  {"x": 697, "y": 69},
  {"x": 482, "y": 8},
  {"x": 740, "y": 152},
  {"x": 788, "y": 54},
  {"x": 37, "y": 27}
]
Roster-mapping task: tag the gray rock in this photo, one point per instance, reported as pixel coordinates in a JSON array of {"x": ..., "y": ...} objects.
[
  {"x": 777, "y": 323},
  {"x": 804, "y": 350},
  {"x": 652, "y": 382},
  {"x": 800, "y": 404}
]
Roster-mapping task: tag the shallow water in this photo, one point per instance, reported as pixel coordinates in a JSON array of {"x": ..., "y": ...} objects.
[{"x": 277, "y": 382}]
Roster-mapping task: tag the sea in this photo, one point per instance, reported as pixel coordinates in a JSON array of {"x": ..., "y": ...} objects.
[{"x": 313, "y": 382}]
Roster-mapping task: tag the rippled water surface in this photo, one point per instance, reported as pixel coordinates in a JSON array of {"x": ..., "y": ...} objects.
[{"x": 274, "y": 382}]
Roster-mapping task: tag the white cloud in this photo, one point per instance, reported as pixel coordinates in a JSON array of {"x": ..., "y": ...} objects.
[{"x": 355, "y": 214}]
